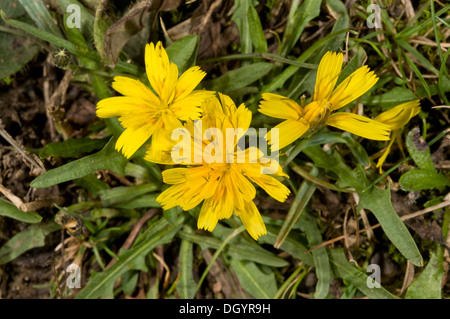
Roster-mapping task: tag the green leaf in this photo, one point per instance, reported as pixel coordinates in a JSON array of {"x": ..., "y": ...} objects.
[
  {"x": 102, "y": 22},
  {"x": 302, "y": 198},
  {"x": 186, "y": 286},
  {"x": 258, "y": 283},
  {"x": 142, "y": 201},
  {"x": 32, "y": 237},
  {"x": 347, "y": 271},
  {"x": 37, "y": 10},
  {"x": 240, "y": 18},
  {"x": 374, "y": 199},
  {"x": 280, "y": 80},
  {"x": 290, "y": 245},
  {"x": 25, "y": 48},
  {"x": 342, "y": 23},
  {"x": 357, "y": 149},
  {"x": 399, "y": 95},
  {"x": 107, "y": 158},
  {"x": 240, "y": 251},
  {"x": 92, "y": 184},
  {"x": 256, "y": 30},
  {"x": 183, "y": 52},
  {"x": 71, "y": 147},
  {"x": 239, "y": 78},
  {"x": 320, "y": 256},
  {"x": 379, "y": 203},
  {"x": 299, "y": 17},
  {"x": 101, "y": 284},
  {"x": 125, "y": 193},
  {"x": 87, "y": 20},
  {"x": 428, "y": 284},
  {"x": 407, "y": 47},
  {"x": 419, "y": 75},
  {"x": 419, "y": 150},
  {"x": 129, "y": 280},
  {"x": 71, "y": 47},
  {"x": 419, "y": 179},
  {"x": 7, "y": 209}
]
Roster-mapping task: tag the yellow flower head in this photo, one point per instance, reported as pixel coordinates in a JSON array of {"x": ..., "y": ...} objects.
[
  {"x": 300, "y": 120},
  {"x": 396, "y": 117},
  {"x": 144, "y": 112},
  {"x": 224, "y": 187}
]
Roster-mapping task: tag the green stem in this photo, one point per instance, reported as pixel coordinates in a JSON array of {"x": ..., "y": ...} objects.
[{"x": 288, "y": 282}]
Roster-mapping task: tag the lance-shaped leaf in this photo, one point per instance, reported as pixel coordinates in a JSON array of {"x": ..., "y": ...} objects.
[
  {"x": 345, "y": 270},
  {"x": 107, "y": 158},
  {"x": 374, "y": 199}
]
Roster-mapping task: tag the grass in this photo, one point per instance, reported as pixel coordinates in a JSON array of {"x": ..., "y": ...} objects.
[{"x": 343, "y": 214}]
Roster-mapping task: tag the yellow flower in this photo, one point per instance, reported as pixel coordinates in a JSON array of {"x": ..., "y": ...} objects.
[
  {"x": 300, "y": 120},
  {"x": 396, "y": 117},
  {"x": 146, "y": 113},
  {"x": 224, "y": 186}
]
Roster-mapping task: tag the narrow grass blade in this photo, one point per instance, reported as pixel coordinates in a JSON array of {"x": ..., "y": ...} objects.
[
  {"x": 101, "y": 284},
  {"x": 302, "y": 198}
]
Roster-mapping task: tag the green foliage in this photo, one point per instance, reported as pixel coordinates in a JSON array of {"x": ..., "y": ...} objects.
[
  {"x": 425, "y": 177},
  {"x": 7, "y": 209},
  {"x": 117, "y": 197}
]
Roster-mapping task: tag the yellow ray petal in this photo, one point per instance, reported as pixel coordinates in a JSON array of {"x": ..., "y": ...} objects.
[
  {"x": 279, "y": 107},
  {"x": 133, "y": 138},
  {"x": 271, "y": 185},
  {"x": 217, "y": 207},
  {"x": 355, "y": 85},
  {"x": 398, "y": 116},
  {"x": 327, "y": 75},
  {"x": 288, "y": 132},
  {"x": 243, "y": 185},
  {"x": 359, "y": 125},
  {"x": 175, "y": 175},
  {"x": 187, "y": 108},
  {"x": 207, "y": 218},
  {"x": 160, "y": 149},
  {"x": 188, "y": 81},
  {"x": 243, "y": 117},
  {"x": 161, "y": 74},
  {"x": 123, "y": 105},
  {"x": 251, "y": 219},
  {"x": 134, "y": 88}
]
